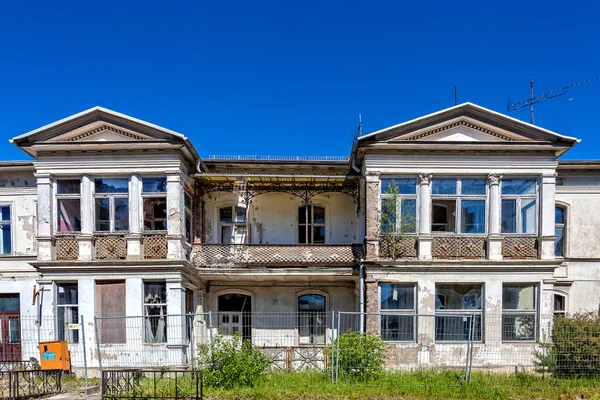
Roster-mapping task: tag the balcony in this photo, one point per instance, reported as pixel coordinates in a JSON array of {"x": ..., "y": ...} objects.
[{"x": 276, "y": 255}]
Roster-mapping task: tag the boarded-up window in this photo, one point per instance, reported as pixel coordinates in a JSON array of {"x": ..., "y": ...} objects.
[{"x": 110, "y": 302}]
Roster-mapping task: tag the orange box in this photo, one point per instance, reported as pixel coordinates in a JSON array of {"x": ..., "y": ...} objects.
[{"x": 55, "y": 355}]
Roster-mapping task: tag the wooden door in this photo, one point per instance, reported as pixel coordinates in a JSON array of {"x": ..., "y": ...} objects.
[{"x": 10, "y": 336}]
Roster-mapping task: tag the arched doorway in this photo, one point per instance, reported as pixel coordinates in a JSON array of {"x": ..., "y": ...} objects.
[{"x": 235, "y": 314}]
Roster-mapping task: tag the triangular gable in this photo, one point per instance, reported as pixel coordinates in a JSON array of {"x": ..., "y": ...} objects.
[
  {"x": 100, "y": 131},
  {"x": 477, "y": 124}
]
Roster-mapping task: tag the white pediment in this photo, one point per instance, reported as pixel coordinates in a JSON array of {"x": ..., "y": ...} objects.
[
  {"x": 463, "y": 134},
  {"x": 100, "y": 131}
]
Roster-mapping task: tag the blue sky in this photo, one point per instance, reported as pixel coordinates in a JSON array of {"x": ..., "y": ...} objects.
[{"x": 289, "y": 78}]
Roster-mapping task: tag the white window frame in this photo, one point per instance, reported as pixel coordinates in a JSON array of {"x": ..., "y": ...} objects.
[
  {"x": 311, "y": 224},
  {"x": 324, "y": 313},
  {"x": 153, "y": 195},
  {"x": 111, "y": 205},
  {"x": 565, "y": 301},
  {"x": 8, "y": 223},
  {"x": 69, "y": 334},
  {"x": 523, "y": 312},
  {"x": 518, "y": 198},
  {"x": 398, "y": 311},
  {"x": 162, "y": 305},
  {"x": 231, "y": 224},
  {"x": 68, "y": 196},
  {"x": 458, "y": 198},
  {"x": 465, "y": 313},
  {"x": 562, "y": 225},
  {"x": 399, "y": 199}
]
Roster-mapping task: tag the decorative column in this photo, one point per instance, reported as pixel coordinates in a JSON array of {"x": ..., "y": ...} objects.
[
  {"x": 85, "y": 240},
  {"x": 176, "y": 323},
  {"x": 44, "y": 217},
  {"x": 494, "y": 240},
  {"x": 426, "y": 323},
  {"x": 372, "y": 214},
  {"x": 136, "y": 209},
  {"x": 175, "y": 217},
  {"x": 547, "y": 235},
  {"x": 425, "y": 238}
]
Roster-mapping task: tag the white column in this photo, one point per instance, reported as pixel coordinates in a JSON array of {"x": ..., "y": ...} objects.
[
  {"x": 46, "y": 301},
  {"x": 87, "y": 307},
  {"x": 494, "y": 217},
  {"x": 134, "y": 239},
  {"x": 426, "y": 324},
  {"x": 175, "y": 216},
  {"x": 493, "y": 314},
  {"x": 44, "y": 217},
  {"x": 425, "y": 238},
  {"x": 176, "y": 322},
  {"x": 547, "y": 224},
  {"x": 546, "y": 308},
  {"x": 87, "y": 221}
]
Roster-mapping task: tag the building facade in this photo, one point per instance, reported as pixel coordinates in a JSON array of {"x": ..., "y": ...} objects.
[{"x": 459, "y": 225}]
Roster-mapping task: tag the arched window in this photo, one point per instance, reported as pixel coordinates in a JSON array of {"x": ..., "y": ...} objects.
[
  {"x": 315, "y": 224},
  {"x": 232, "y": 225},
  {"x": 311, "y": 319},
  {"x": 560, "y": 304},
  {"x": 235, "y": 314},
  {"x": 560, "y": 220}
]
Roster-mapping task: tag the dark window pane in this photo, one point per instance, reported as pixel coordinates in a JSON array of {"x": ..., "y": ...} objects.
[
  {"x": 10, "y": 302},
  {"x": 456, "y": 296},
  {"x": 408, "y": 210},
  {"x": 69, "y": 215},
  {"x": 473, "y": 186},
  {"x": 518, "y": 327},
  {"x": 518, "y": 186},
  {"x": 318, "y": 215},
  {"x": 397, "y": 296},
  {"x": 318, "y": 234},
  {"x": 473, "y": 216},
  {"x": 458, "y": 328},
  {"x": 68, "y": 186},
  {"x": 559, "y": 215},
  {"x": 240, "y": 214},
  {"x": 112, "y": 185},
  {"x": 559, "y": 303},
  {"x": 509, "y": 216},
  {"x": 67, "y": 293},
  {"x": 226, "y": 234},
  {"x": 312, "y": 302},
  {"x": 155, "y": 293},
  {"x": 5, "y": 213},
  {"x": 154, "y": 185},
  {"x": 443, "y": 186},
  {"x": 399, "y": 186},
  {"x": 528, "y": 216},
  {"x": 302, "y": 214},
  {"x": 388, "y": 215},
  {"x": 103, "y": 215},
  {"x": 302, "y": 234},
  {"x": 121, "y": 214},
  {"x": 398, "y": 327},
  {"x": 559, "y": 243},
  {"x": 226, "y": 214},
  {"x": 6, "y": 239},
  {"x": 155, "y": 213}
]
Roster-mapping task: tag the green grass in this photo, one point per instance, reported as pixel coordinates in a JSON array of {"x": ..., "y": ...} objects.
[{"x": 414, "y": 385}]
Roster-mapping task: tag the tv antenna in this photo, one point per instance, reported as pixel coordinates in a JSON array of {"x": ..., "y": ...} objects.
[{"x": 542, "y": 97}]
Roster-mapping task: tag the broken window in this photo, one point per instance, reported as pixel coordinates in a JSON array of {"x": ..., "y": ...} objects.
[
  {"x": 232, "y": 225},
  {"x": 458, "y": 205},
  {"x": 399, "y": 197},
  {"x": 458, "y": 309},
  {"x": 154, "y": 193},
  {"x": 155, "y": 312},
  {"x": 68, "y": 204},
  {"x": 5, "y": 236},
  {"x": 311, "y": 319},
  {"x": 111, "y": 200},
  {"x": 315, "y": 225},
  {"x": 519, "y": 317},
  {"x": 67, "y": 312},
  {"x": 397, "y": 308},
  {"x": 519, "y": 210}
]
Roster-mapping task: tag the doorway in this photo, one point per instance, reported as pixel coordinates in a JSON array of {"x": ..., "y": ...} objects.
[
  {"x": 10, "y": 328},
  {"x": 235, "y": 315}
]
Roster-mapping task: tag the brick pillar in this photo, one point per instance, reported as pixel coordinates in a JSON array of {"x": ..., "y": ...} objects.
[
  {"x": 372, "y": 214},
  {"x": 198, "y": 217},
  {"x": 372, "y": 306}
]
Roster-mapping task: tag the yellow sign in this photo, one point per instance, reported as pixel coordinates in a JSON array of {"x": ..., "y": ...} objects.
[{"x": 74, "y": 326}]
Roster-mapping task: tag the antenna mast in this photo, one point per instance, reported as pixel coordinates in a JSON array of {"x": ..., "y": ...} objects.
[{"x": 542, "y": 97}]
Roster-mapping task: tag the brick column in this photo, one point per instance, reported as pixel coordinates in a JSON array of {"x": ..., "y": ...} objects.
[
  {"x": 372, "y": 214},
  {"x": 372, "y": 306}
]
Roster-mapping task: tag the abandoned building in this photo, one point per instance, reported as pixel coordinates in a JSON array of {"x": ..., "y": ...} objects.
[{"x": 465, "y": 212}]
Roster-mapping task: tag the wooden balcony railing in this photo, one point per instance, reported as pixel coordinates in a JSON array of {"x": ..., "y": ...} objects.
[
  {"x": 458, "y": 247},
  {"x": 519, "y": 247},
  {"x": 275, "y": 255},
  {"x": 111, "y": 247}
]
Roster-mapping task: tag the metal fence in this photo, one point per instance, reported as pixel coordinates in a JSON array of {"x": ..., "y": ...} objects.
[
  {"x": 151, "y": 384},
  {"x": 20, "y": 384}
]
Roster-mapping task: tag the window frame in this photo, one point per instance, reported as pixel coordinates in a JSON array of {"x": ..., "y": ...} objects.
[
  {"x": 565, "y": 297},
  {"x": 153, "y": 195},
  {"x": 518, "y": 200},
  {"x": 232, "y": 224},
  {"x": 111, "y": 206},
  {"x": 162, "y": 305},
  {"x": 66, "y": 196},
  {"x": 455, "y": 313},
  {"x": 398, "y": 311},
  {"x": 522, "y": 312},
  {"x": 562, "y": 225},
  {"x": 8, "y": 223},
  {"x": 70, "y": 335},
  {"x": 312, "y": 224},
  {"x": 312, "y": 314},
  {"x": 458, "y": 198},
  {"x": 400, "y": 197}
]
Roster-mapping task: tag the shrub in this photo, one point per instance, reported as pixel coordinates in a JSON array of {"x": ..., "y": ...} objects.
[
  {"x": 575, "y": 348},
  {"x": 231, "y": 362},
  {"x": 360, "y": 355}
]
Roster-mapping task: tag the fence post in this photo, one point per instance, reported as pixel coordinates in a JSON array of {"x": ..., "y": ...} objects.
[
  {"x": 85, "y": 371},
  {"x": 98, "y": 346},
  {"x": 337, "y": 353},
  {"x": 210, "y": 328},
  {"x": 471, "y": 352},
  {"x": 332, "y": 342}
]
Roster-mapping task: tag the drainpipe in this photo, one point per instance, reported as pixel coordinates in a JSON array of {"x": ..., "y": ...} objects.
[{"x": 362, "y": 297}]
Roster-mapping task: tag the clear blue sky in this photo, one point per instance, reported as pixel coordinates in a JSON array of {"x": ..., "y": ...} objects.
[{"x": 290, "y": 77}]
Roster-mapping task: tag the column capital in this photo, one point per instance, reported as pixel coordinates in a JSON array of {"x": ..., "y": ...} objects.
[
  {"x": 549, "y": 179},
  {"x": 174, "y": 176},
  {"x": 494, "y": 179},
  {"x": 372, "y": 176},
  {"x": 425, "y": 178}
]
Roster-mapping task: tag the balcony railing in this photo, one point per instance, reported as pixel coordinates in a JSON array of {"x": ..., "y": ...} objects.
[
  {"x": 458, "y": 247},
  {"x": 275, "y": 255},
  {"x": 520, "y": 247}
]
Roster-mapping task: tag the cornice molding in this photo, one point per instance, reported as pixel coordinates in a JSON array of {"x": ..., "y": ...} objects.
[
  {"x": 455, "y": 124},
  {"x": 106, "y": 127}
]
